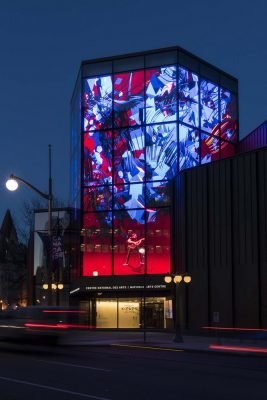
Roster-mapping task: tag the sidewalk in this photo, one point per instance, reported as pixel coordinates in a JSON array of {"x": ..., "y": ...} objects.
[{"x": 165, "y": 340}]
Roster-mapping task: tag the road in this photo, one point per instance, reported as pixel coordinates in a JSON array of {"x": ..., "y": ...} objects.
[{"x": 127, "y": 373}]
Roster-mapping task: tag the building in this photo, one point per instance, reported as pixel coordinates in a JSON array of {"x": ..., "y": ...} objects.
[
  {"x": 13, "y": 271},
  {"x": 138, "y": 122},
  {"x": 64, "y": 253}
]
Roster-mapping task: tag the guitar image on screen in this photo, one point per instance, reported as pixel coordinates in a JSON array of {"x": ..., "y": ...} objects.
[{"x": 134, "y": 244}]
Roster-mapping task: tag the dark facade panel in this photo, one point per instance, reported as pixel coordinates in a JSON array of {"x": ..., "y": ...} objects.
[
  {"x": 255, "y": 140},
  {"x": 225, "y": 228}
]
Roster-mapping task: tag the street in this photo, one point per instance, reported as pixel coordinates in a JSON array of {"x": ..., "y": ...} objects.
[{"x": 122, "y": 372}]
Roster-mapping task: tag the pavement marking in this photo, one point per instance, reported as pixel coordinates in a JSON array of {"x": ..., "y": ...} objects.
[
  {"x": 89, "y": 396},
  {"x": 146, "y": 347},
  {"x": 75, "y": 365}
]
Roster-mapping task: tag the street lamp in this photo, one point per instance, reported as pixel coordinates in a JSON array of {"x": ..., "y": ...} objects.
[
  {"x": 12, "y": 185},
  {"x": 56, "y": 287},
  {"x": 176, "y": 280}
]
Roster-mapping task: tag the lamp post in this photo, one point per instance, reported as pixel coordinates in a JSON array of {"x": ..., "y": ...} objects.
[
  {"x": 176, "y": 280},
  {"x": 55, "y": 286},
  {"x": 12, "y": 185}
]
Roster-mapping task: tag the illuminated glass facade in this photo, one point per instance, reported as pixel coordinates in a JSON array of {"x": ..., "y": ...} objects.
[{"x": 143, "y": 119}]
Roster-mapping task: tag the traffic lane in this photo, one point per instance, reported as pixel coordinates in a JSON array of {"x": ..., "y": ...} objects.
[
  {"x": 45, "y": 377},
  {"x": 133, "y": 373}
]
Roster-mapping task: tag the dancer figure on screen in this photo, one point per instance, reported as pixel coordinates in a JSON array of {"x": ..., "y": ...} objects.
[{"x": 133, "y": 245}]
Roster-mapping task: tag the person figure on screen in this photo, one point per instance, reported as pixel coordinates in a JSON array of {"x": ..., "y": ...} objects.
[{"x": 133, "y": 245}]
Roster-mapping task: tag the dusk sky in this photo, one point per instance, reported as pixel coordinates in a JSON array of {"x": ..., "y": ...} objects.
[{"x": 43, "y": 43}]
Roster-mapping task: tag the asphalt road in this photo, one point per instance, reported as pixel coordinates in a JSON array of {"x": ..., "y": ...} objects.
[{"x": 127, "y": 373}]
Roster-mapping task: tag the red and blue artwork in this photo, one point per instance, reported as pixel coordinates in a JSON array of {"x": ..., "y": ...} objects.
[
  {"x": 161, "y": 151},
  {"x": 97, "y": 157},
  {"x": 128, "y": 98},
  {"x": 97, "y": 103},
  {"x": 189, "y": 147},
  {"x": 188, "y": 97},
  {"x": 209, "y": 105},
  {"x": 161, "y": 95}
]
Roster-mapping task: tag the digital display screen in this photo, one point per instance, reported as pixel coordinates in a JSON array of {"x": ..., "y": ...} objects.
[{"x": 136, "y": 125}]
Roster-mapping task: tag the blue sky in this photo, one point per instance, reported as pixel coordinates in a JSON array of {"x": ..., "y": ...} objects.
[{"x": 42, "y": 43}]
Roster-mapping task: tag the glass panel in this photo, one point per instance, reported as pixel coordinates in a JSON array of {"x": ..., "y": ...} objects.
[
  {"x": 128, "y": 98},
  {"x": 129, "y": 313},
  {"x": 209, "y": 107},
  {"x": 161, "y": 97},
  {"x": 129, "y": 233},
  {"x": 97, "y": 103},
  {"x": 227, "y": 149},
  {"x": 129, "y": 155},
  {"x": 129, "y": 196},
  {"x": 97, "y": 198},
  {"x": 158, "y": 193},
  {"x": 228, "y": 116},
  {"x": 155, "y": 310},
  {"x": 161, "y": 151},
  {"x": 98, "y": 157},
  {"x": 106, "y": 313},
  {"x": 209, "y": 148},
  {"x": 189, "y": 147},
  {"x": 97, "y": 257},
  {"x": 188, "y": 97},
  {"x": 158, "y": 241}
]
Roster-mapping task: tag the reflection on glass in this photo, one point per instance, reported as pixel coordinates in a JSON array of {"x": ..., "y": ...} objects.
[
  {"x": 189, "y": 147},
  {"x": 210, "y": 148},
  {"x": 161, "y": 97},
  {"x": 97, "y": 103},
  {"x": 188, "y": 97},
  {"x": 128, "y": 98},
  {"x": 161, "y": 152}
]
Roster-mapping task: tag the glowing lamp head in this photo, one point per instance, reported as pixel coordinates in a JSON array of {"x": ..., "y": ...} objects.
[
  {"x": 177, "y": 279},
  {"x": 60, "y": 286},
  {"x": 168, "y": 279},
  {"x": 187, "y": 278},
  {"x": 45, "y": 286},
  {"x": 12, "y": 184}
]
